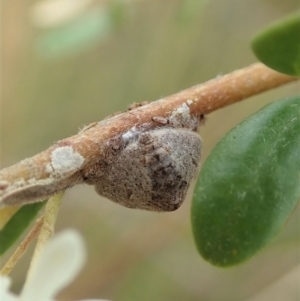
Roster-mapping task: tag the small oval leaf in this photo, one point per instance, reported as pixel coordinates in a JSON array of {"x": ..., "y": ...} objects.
[
  {"x": 278, "y": 46},
  {"x": 249, "y": 185},
  {"x": 18, "y": 224}
]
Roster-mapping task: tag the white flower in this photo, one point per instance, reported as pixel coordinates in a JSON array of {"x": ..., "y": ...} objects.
[{"x": 56, "y": 267}]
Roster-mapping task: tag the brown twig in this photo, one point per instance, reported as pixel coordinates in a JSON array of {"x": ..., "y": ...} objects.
[{"x": 67, "y": 162}]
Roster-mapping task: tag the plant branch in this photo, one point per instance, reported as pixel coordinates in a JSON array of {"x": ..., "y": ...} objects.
[{"x": 65, "y": 163}]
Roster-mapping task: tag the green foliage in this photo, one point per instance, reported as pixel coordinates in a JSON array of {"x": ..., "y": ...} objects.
[
  {"x": 278, "y": 46},
  {"x": 17, "y": 225},
  {"x": 249, "y": 185}
]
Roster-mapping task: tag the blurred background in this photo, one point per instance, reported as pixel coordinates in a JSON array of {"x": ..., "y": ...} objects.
[{"x": 67, "y": 63}]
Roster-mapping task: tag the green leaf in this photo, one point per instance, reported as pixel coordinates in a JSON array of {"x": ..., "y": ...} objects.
[
  {"x": 249, "y": 185},
  {"x": 17, "y": 224},
  {"x": 278, "y": 46}
]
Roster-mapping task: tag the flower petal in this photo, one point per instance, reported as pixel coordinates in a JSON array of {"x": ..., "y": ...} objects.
[
  {"x": 57, "y": 266},
  {"x": 5, "y": 295},
  {"x": 4, "y": 284}
]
